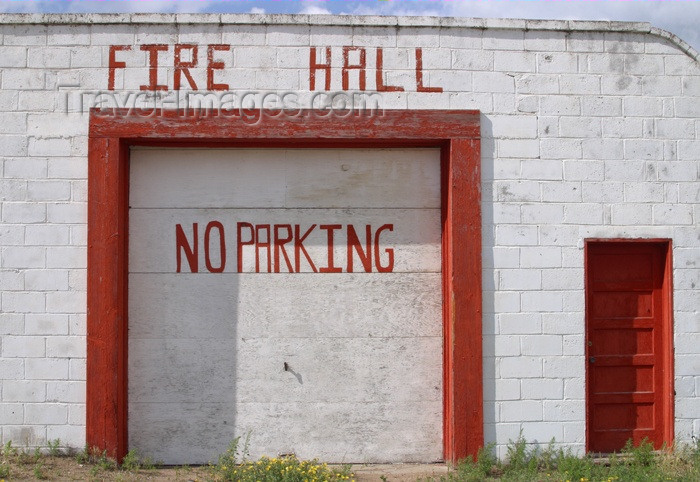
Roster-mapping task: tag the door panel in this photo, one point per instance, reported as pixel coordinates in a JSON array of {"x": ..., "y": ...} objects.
[{"x": 626, "y": 330}]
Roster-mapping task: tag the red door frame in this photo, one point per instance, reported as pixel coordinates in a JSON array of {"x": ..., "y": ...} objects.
[
  {"x": 667, "y": 332},
  {"x": 112, "y": 132}
]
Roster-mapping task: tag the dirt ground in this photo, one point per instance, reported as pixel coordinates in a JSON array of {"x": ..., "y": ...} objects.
[{"x": 66, "y": 468}]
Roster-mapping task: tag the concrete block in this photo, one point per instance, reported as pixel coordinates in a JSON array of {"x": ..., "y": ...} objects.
[
  {"x": 513, "y": 235},
  {"x": 548, "y": 41},
  {"x": 542, "y": 301},
  {"x": 45, "y": 413},
  {"x": 46, "y": 368},
  {"x": 602, "y": 106},
  {"x": 514, "y": 61},
  {"x": 544, "y": 388},
  {"x": 65, "y": 392},
  {"x": 521, "y": 411},
  {"x": 503, "y": 40},
  {"x": 23, "y": 302},
  {"x": 23, "y": 391},
  {"x": 543, "y": 84},
  {"x": 12, "y": 368},
  {"x": 579, "y": 84},
  {"x": 65, "y": 301},
  {"x": 46, "y": 324},
  {"x": 664, "y": 214},
  {"x": 631, "y": 214},
  {"x": 492, "y": 82},
  {"x": 519, "y": 324},
  {"x": 521, "y": 367},
  {"x": 558, "y": 148}
]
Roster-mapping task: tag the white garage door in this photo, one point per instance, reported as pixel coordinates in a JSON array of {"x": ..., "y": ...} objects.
[{"x": 293, "y": 295}]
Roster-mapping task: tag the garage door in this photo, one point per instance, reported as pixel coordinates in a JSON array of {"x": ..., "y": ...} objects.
[{"x": 290, "y": 294}]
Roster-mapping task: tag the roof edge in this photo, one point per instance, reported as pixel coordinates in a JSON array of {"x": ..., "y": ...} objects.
[{"x": 346, "y": 20}]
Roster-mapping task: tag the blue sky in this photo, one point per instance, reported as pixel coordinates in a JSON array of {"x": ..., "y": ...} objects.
[{"x": 681, "y": 17}]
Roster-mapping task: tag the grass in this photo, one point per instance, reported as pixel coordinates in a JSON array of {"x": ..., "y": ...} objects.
[
  {"x": 634, "y": 464},
  {"x": 523, "y": 462}
]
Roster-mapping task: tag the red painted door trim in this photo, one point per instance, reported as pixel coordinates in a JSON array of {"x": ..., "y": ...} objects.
[
  {"x": 456, "y": 133},
  {"x": 666, "y": 357}
]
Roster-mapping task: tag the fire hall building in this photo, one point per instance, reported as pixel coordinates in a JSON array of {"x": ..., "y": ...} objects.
[{"x": 362, "y": 239}]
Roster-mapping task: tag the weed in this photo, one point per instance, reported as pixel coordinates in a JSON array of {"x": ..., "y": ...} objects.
[
  {"x": 133, "y": 462},
  {"x": 54, "y": 445},
  {"x": 8, "y": 450},
  {"x": 39, "y": 471},
  {"x": 4, "y": 470}
]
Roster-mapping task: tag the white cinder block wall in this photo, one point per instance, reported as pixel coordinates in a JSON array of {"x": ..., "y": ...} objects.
[{"x": 589, "y": 129}]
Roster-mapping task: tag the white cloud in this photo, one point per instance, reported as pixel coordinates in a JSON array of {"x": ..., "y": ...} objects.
[
  {"x": 311, "y": 9},
  {"x": 257, "y": 10}
]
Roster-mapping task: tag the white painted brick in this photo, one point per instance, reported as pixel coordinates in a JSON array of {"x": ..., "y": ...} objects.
[
  {"x": 66, "y": 257},
  {"x": 519, "y": 324},
  {"x": 550, "y": 41},
  {"x": 584, "y": 42},
  {"x": 23, "y": 391},
  {"x": 563, "y": 323},
  {"x": 542, "y": 213},
  {"x": 13, "y": 190},
  {"x": 67, "y": 213},
  {"x": 78, "y": 324},
  {"x": 11, "y": 324},
  {"x": 518, "y": 148},
  {"x": 77, "y": 369},
  {"x": 79, "y": 191},
  {"x": 56, "y": 125},
  {"x": 672, "y": 214},
  {"x": 602, "y": 192},
  {"x": 574, "y": 345},
  {"x": 13, "y": 279},
  {"x": 492, "y": 82},
  {"x": 584, "y": 170},
  {"x": 687, "y": 109},
  {"x": 644, "y": 65},
  {"x": 45, "y": 413},
  {"x": 602, "y": 148},
  {"x": 505, "y": 257},
  {"x": 25, "y": 435},
  {"x": 70, "y": 435},
  {"x": 508, "y": 389},
  {"x": 537, "y": 84},
  {"x": 23, "y": 79},
  {"x": 511, "y": 235},
  {"x": 76, "y": 414},
  {"x": 678, "y": 171},
  {"x": 542, "y": 301},
  {"x": 689, "y": 192},
  {"x": 580, "y": 127},
  {"x": 49, "y": 147},
  {"x": 629, "y": 127},
  {"x": 505, "y": 104},
  {"x": 661, "y": 86},
  {"x": 572, "y": 258},
  {"x": 25, "y": 168},
  {"x": 521, "y": 411},
  {"x": 561, "y": 191},
  {"x": 625, "y": 170},
  {"x": 557, "y": 63},
  {"x": 514, "y": 61},
  {"x": 583, "y": 214},
  {"x": 65, "y": 392},
  {"x": 517, "y": 191},
  {"x": 11, "y": 413},
  {"x": 13, "y": 123},
  {"x": 471, "y": 100},
  {"x": 13, "y": 57},
  {"x": 521, "y": 367},
  {"x": 621, "y": 85},
  {"x": 65, "y": 301},
  {"x": 46, "y": 368},
  {"x": 65, "y": 346},
  {"x": 43, "y": 324},
  {"x": 19, "y": 212},
  {"x": 606, "y": 106},
  {"x": 579, "y": 84},
  {"x": 503, "y": 40},
  {"x": 643, "y": 149},
  {"x": 560, "y": 149},
  {"x": 46, "y": 280},
  {"x": 562, "y": 279},
  {"x": 631, "y": 214},
  {"x": 43, "y": 234},
  {"x": 547, "y": 126},
  {"x": 12, "y": 368},
  {"x": 563, "y": 367},
  {"x": 23, "y": 257},
  {"x": 544, "y": 388},
  {"x": 506, "y": 302},
  {"x": 77, "y": 280},
  {"x": 13, "y": 145},
  {"x": 674, "y": 129},
  {"x": 472, "y": 60},
  {"x": 23, "y": 346},
  {"x": 23, "y": 302},
  {"x": 545, "y": 170},
  {"x": 48, "y": 58},
  {"x": 560, "y": 105}
]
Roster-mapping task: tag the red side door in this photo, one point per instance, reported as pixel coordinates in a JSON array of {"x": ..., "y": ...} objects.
[{"x": 628, "y": 344}]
